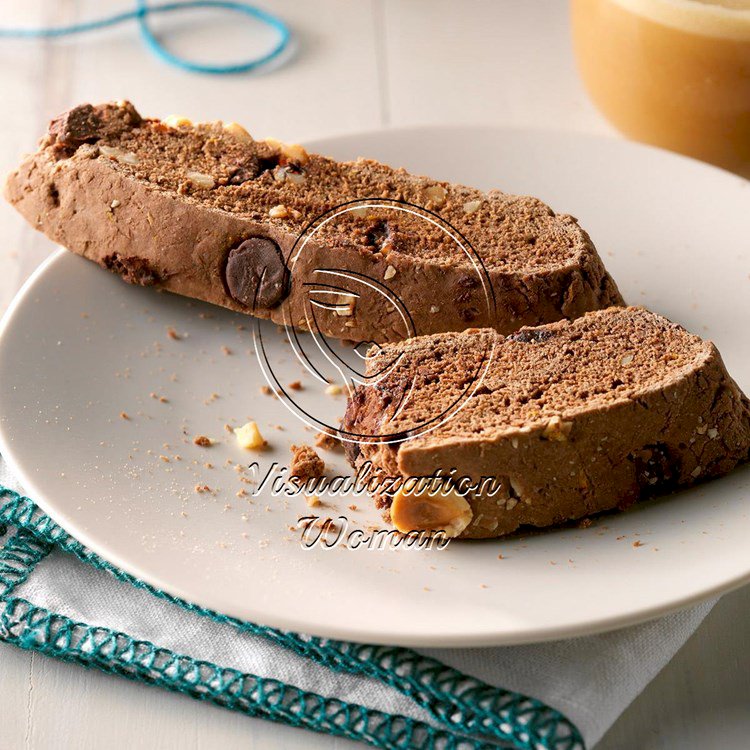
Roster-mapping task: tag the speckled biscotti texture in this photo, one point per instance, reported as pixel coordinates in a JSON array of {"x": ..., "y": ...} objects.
[
  {"x": 208, "y": 212},
  {"x": 573, "y": 417}
]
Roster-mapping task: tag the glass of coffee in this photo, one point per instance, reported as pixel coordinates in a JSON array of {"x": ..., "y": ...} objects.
[{"x": 673, "y": 73}]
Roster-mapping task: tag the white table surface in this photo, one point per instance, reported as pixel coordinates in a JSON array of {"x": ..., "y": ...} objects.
[{"x": 358, "y": 66}]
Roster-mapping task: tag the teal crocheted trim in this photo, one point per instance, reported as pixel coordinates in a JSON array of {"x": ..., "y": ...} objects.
[
  {"x": 18, "y": 558},
  {"x": 472, "y": 713}
]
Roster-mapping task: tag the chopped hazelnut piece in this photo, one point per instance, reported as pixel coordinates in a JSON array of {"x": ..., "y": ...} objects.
[
  {"x": 235, "y": 129},
  {"x": 249, "y": 437},
  {"x": 203, "y": 441},
  {"x": 278, "y": 212},
  {"x": 557, "y": 430},
  {"x": 201, "y": 180},
  {"x": 177, "y": 121},
  {"x": 390, "y": 272},
  {"x": 420, "y": 510},
  {"x": 334, "y": 390},
  {"x": 345, "y": 304},
  {"x": 123, "y": 157},
  {"x": 312, "y": 500},
  {"x": 296, "y": 152},
  {"x": 436, "y": 194},
  {"x": 291, "y": 174},
  {"x": 471, "y": 206}
]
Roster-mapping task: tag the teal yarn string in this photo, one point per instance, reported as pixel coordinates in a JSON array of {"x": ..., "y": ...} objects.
[{"x": 141, "y": 13}]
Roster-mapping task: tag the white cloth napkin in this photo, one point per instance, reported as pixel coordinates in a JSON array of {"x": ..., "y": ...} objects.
[{"x": 590, "y": 680}]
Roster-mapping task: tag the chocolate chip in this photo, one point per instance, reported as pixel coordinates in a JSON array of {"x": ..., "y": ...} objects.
[
  {"x": 530, "y": 337},
  {"x": 467, "y": 314},
  {"x": 468, "y": 282},
  {"x": 248, "y": 170},
  {"x": 655, "y": 468},
  {"x": 267, "y": 163},
  {"x": 256, "y": 274},
  {"x": 79, "y": 125},
  {"x": 53, "y": 195},
  {"x": 132, "y": 269},
  {"x": 291, "y": 167},
  {"x": 240, "y": 175},
  {"x": 379, "y": 234}
]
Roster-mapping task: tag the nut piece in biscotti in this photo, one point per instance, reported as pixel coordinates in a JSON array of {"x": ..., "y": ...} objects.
[
  {"x": 306, "y": 463},
  {"x": 256, "y": 274},
  {"x": 570, "y": 419},
  {"x": 206, "y": 211},
  {"x": 420, "y": 509}
]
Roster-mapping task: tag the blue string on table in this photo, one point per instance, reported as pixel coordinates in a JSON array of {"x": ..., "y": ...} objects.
[{"x": 140, "y": 14}]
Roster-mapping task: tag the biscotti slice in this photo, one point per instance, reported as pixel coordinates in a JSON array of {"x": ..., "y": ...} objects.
[
  {"x": 208, "y": 212},
  {"x": 570, "y": 419}
]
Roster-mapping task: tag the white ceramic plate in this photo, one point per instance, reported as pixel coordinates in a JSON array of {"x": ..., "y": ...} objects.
[{"x": 78, "y": 347}]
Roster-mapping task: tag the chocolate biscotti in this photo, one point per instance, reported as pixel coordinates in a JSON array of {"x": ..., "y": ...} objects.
[
  {"x": 570, "y": 418},
  {"x": 208, "y": 212}
]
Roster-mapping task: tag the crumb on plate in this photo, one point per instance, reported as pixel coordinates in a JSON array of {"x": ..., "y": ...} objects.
[
  {"x": 326, "y": 442},
  {"x": 306, "y": 463}
]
